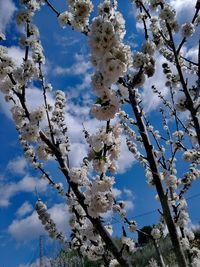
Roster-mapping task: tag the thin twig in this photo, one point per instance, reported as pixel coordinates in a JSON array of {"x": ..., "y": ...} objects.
[
  {"x": 46, "y": 104},
  {"x": 184, "y": 38},
  {"x": 190, "y": 104},
  {"x": 53, "y": 8}
]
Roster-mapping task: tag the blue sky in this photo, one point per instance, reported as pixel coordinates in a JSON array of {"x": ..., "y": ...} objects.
[{"x": 68, "y": 68}]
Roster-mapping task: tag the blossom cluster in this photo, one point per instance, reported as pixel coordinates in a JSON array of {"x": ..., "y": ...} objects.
[
  {"x": 111, "y": 58},
  {"x": 78, "y": 14},
  {"x": 84, "y": 236},
  {"x": 48, "y": 223},
  {"x": 99, "y": 197},
  {"x": 105, "y": 148},
  {"x": 97, "y": 191}
]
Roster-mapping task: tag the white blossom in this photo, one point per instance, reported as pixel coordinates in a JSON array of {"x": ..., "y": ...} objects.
[
  {"x": 156, "y": 233},
  {"x": 64, "y": 18},
  {"x": 113, "y": 263},
  {"x": 187, "y": 29}
]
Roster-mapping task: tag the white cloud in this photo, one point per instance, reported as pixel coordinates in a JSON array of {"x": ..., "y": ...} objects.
[
  {"x": 195, "y": 227},
  {"x": 77, "y": 111},
  {"x": 116, "y": 192},
  {"x": 27, "y": 184},
  {"x": 60, "y": 215},
  {"x": 65, "y": 42},
  {"x": 26, "y": 229},
  {"x": 86, "y": 82},
  {"x": 77, "y": 153},
  {"x": 17, "y": 166},
  {"x": 126, "y": 158},
  {"x": 128, "y": 192},
  {"x": 92, "y": 125},
  {"x": 17, "y": 54},
  {"x": 30, "y": 228},
  {"x": 150, "y": 99},
  {"x": 78, "y": 147},
  {"x": 34, "y": 99},
  {"x": 74, "y": 127},
  {"x": 7, "y": 9},
  {"x": 25, "y": 208},
  {"x": 128, "y": 205},
  {"x": 192, "y": 54},
  {"x": 80, "y": 66},
  {"x": 184, "y": 9}
]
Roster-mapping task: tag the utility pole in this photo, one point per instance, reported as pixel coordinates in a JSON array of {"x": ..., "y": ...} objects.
[{"x": 41, "y": 252}]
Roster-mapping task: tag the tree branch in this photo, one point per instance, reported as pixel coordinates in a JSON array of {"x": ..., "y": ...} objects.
[
  {"x": 81, "y": 198},
  {"x": 157, "y": 180}
]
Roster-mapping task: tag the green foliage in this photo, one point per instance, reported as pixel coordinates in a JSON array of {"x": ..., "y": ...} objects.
[
  {"x": 147, "y": 252},
  {"x": 142, "y": 239},
  {"x": 140, "y": 258},
  {"x": 72, "y": 258}
]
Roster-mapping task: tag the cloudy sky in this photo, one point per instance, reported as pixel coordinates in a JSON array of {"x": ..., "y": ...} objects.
[{"x": 67, "y": 68}]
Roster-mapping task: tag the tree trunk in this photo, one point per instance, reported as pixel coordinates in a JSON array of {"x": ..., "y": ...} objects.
[{"x": 157, "y": 181}]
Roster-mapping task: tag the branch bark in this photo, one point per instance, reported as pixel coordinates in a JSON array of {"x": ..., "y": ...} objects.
[
  {"x": 190, "y": 105},
  {"x": 157, "y": 181},
  {"x": 95, "y": 221}
]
